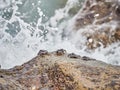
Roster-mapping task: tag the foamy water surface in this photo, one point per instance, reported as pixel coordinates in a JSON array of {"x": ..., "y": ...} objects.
[{"x": 26, "y": 26}]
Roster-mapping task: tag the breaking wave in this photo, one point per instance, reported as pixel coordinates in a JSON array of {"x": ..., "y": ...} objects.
[{"x": 26, "y": 26}]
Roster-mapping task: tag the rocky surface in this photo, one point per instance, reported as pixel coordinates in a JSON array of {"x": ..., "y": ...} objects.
[
  {"x": 61, "y": 71},
  {"x": 101, "y": 18}
]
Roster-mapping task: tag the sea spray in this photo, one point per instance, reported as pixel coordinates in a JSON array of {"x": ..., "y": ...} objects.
[
  {"x": 32, "y": 25},
  {"x": 27, "y": 27}
]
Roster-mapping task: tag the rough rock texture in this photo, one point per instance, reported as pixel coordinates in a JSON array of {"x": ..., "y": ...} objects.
[
  {"x": 61, "y": 71},
  {"x": 102, "y": 18}
]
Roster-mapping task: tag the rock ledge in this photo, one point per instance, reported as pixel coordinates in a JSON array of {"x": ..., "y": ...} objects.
[{"x": 61, "y": 71}]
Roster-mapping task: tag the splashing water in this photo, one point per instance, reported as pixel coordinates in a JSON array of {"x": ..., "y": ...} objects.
[{"x": 26, "y": 26}]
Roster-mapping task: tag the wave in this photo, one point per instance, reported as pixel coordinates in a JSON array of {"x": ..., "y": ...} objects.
[{"x": 26, "y": 26}]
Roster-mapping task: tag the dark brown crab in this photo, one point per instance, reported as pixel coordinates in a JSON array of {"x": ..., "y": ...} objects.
[
  {"x": 43, "y": 52},
  {"x": 60, "y": 52},
  {"x": 73, "y": 55}
]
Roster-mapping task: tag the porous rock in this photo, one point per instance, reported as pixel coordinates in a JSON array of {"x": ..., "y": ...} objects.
[
  {"x": 54, "y": 72},
  {"x": 101, "y": 18}
]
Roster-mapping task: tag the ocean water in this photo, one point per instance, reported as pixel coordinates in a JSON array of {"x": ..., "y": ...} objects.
[{"x": 27, "y": 26}]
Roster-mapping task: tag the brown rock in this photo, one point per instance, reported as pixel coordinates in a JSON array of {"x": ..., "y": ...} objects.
[
  {"x": 98, "y": 16},
  {"x": 117, "y": 34},
  {"x": 53, "y": 72}
]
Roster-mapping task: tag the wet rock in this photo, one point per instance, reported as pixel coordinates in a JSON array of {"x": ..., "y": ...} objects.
[
  {"x": 97, "y": 18},
  {"x": 2, "y": 87},
  {"x": 44, "y": 78},
  {"x": 118, "y": 10},
  {"x": 54, "y": 72},
  {"x": 84, "y": 20},
  {"x": 117, "y": 34}
]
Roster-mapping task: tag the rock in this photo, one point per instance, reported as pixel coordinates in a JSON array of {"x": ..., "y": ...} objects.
[
  {"x": 118, "y": 11},
  {"x": 65, "y": 72},
  {"x": 97, "y": 17},
  {"x": 117, "y": 34}
]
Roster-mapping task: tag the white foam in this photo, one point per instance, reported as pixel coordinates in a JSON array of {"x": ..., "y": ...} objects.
[{"x": 26, "y": 44}]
